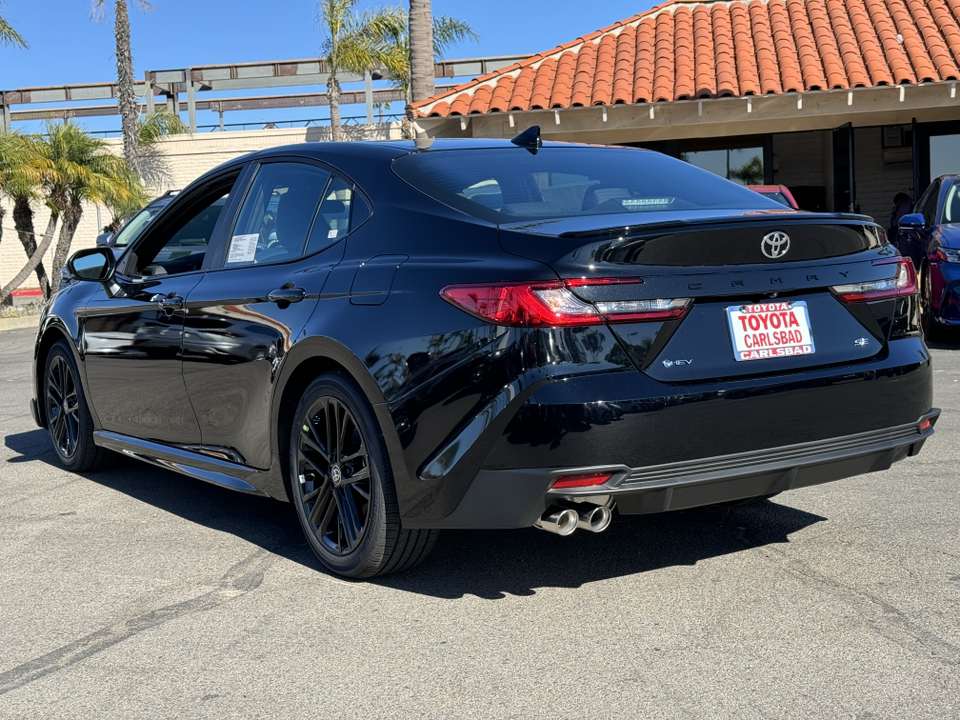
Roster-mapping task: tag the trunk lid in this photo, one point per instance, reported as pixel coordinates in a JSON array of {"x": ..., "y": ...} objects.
[{"x": 778, "y": 267}]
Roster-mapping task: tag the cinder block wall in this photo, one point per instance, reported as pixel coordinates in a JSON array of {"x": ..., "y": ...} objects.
[{"x": 188, "y": 157}]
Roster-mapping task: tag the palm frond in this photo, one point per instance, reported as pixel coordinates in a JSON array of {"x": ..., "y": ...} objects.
[
  {"x": 19, "y": 167},
  {"x": 98, "y": 9},
  {"x": 73, "y": 165},
  {"x": 449, "y": 31},
  {"x": 10, "y": 36},
  {"x": 357, "y": 42},
  {"x": 151, "y": 128}
]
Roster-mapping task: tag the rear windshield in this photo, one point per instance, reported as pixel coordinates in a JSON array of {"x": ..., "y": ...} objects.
[
  {"x": 778, "y": 196},
  {"x": 512, "y": 184}
]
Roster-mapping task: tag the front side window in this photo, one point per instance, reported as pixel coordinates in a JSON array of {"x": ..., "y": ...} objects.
[
  {"x": 135, "y": 227},
  {"x": 507, "y": 184},
  {"x": 951, "y": 206},
  {"x": 929, "y": 206},
  {"x": 182, "y": 245},
  {"x": 278, "y": 213}
]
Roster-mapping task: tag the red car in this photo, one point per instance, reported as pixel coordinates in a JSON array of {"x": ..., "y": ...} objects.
[{"x": 780, "y": 193}]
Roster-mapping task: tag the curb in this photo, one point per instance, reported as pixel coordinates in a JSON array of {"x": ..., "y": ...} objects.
[{"x": 16, "y": 323}]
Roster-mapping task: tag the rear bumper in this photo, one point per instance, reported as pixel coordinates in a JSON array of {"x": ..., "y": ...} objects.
[{"x": 503, "y": 499}]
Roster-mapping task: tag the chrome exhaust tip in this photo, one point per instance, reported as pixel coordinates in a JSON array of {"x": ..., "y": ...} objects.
[
  {"x": 561, "y": 521},
  {"x": 595, "y": 518}
]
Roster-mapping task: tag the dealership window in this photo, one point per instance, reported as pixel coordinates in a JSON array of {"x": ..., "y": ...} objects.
[
  {"x": 944, "y": 155},
  {"x": 741, "y": 165}
]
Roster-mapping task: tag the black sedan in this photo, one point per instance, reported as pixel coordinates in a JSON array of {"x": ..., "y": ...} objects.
[
  {"x": 930, "y": 236},
  {"x": 400, "y": 339}
]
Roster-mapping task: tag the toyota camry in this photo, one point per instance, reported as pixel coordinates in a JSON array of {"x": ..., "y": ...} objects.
[{"x": 400, "y": 338}]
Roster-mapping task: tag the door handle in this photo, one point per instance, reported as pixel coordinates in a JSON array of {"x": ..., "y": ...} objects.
[
  {"x": 287, "y": 294},
  {"x": 168, "y": 304}
]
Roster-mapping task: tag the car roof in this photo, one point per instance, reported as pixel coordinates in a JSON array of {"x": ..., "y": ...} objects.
[{"x": 390, "y": 149}]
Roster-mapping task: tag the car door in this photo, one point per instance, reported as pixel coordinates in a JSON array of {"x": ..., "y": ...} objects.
[
  {"x": 247, "y": 312},
  {"x": 132, "y": 328},
  {"x": 914, "y": 242}
]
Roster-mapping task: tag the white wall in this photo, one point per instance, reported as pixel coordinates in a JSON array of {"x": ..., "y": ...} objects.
[{"x": 189, "y": 156}]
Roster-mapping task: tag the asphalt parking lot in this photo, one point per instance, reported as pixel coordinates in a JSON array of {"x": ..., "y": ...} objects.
[{"x": 135, "y": 592}]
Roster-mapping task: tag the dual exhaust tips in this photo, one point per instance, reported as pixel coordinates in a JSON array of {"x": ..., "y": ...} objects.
[{"x": 564, "y": 519}]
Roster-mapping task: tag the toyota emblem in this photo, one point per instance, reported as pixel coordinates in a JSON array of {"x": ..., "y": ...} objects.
[{"x": 775, "y": 244}]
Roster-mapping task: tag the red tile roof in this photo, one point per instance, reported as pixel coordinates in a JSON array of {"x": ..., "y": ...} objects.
[{"x": 688, "y": 49}]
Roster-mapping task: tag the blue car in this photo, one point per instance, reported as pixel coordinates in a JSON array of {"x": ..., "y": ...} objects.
[{"x": 931, "y": 238}]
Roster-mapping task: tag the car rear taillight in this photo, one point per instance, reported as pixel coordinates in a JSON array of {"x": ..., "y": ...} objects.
[
  {"x": 553, "y": 304},
  {"x": 579, "y": 481},
  {"x": 904, "y": 282}
]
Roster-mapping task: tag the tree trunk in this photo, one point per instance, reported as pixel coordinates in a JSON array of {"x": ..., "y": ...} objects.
[
  {"x": 421, "y": 50},
  {"x": 33, "y": 261},
  {"x": 126, "y": 98},
  {"x": 23, "y": 222},
  {"x": 71, "y": 219},
  {"x": 406, "y": 122},
  {"x": 333, "y": 94}
]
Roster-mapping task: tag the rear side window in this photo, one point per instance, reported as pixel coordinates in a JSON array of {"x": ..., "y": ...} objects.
[
  {"x": 511, "y": 184},
  {"x": 277, "y": 214}
]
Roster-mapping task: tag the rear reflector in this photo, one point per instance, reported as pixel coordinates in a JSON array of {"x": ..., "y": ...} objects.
[
  {"x": 925, "y": 425},
  {"x": 578, "y": 481},
  {"x": 904, "y": 282},
  {"x": 553, "y": 304}
]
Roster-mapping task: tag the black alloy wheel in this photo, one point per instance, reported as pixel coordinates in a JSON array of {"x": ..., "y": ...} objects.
[
  {"x": 62, "y": 407},
  {"x": 342, "y": 485},
  {"x": 68, "y": 418},
  {"x": 334, "y": 474}
]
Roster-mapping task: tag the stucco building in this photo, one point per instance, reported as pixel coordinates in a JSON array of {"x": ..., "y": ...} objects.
[{"x": 847, "y": 102}]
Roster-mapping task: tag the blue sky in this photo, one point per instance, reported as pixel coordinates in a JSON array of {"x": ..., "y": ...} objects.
[{"x": 68, "y": 47}]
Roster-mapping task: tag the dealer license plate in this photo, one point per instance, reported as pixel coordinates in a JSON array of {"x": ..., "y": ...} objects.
[{"x": 770, "y": 330}]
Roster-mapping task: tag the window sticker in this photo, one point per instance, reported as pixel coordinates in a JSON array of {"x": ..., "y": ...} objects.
[
  {"x": 243, "y": 248},
  {"x": 332, "y": 233}
]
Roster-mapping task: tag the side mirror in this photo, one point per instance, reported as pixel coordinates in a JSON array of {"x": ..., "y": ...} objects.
[
  {"x": 913, "y": 221},
  {"x": 95, "y": 264},
  {"x": 104, "y": 239}
]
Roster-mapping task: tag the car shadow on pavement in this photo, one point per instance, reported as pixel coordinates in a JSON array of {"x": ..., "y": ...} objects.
[
  {"x": 490, "y": 564},
  {"x": 495, "y": 564},
  {"x": 265, "y": 522}
]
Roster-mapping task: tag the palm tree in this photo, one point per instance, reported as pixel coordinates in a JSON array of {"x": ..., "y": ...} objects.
[
  {"x": 447, "y": 31},
  {"x": 8, "y": 34},
  {"x": 73, "y": 167},
  {"x": 19, "y": 178},
  {"x": 421, "y": 51},
  {"x": 126, "y": 98},
  {"x": 355, "y": 43},
  {"x": 151, "y": 129}
]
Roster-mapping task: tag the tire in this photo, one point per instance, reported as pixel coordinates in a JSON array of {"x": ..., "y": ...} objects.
[
  {"x": 68, "y": 416},
  {"x": 341, "y": 484},
  {"x": 932, "y": 332}
]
